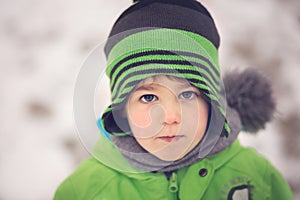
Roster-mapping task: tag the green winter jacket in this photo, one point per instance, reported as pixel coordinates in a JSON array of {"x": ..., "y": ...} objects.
[{"x": 235, "y": 173}]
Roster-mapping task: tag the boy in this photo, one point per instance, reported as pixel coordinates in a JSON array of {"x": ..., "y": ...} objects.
[{"x": 169, "y": 134}]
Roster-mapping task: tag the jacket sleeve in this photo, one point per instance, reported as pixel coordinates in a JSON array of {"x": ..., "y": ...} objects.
[
  {"x": 279, "y": 187},
  {"x": 65, "y": 191}
]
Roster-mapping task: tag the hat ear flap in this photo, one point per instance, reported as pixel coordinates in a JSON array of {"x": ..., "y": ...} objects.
[{"x": 115, "y": 122}]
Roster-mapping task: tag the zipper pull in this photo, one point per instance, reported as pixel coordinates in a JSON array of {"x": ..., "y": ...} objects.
[{"x": 173, "y": 187}]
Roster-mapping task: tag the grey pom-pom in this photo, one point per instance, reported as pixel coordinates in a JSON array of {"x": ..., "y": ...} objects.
[{"x": 250, "y": 94}]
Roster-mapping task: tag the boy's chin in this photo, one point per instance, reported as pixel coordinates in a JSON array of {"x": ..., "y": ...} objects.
[{"x": 169, "y": 156}]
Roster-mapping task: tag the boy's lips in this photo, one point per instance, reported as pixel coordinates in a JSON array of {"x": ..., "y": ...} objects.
[{"x": 170, "y": 138}]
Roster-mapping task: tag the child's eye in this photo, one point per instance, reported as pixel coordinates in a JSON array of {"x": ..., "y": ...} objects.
[
  {"x": 188, "y": 95},
  {"x": 147, "y": 98}
]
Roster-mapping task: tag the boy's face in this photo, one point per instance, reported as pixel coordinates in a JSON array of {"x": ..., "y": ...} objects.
[{"x": 167, "y": 116}]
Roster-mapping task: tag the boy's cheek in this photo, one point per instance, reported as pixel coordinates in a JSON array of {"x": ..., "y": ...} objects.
[
  {"x": 137, "y": 116},
  {"x": 194, "y": 119},
  {"x": 145, "y": 123},
  {"x": 145, "y": 117},
  {"x": 140, "y": 119}
]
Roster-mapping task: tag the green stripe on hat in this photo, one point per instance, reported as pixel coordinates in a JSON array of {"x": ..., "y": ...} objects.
[
  {"x": 159, "y": 39},
  {"x": 154, "y": 56},
  {"x": 191, "y": 73}
]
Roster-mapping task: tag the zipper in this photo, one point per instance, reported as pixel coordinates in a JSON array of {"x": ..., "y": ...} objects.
[{"x": 173, "y": 185}]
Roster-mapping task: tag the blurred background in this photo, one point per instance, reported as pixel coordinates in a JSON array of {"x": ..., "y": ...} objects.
[{"x": 44, "y": 43}]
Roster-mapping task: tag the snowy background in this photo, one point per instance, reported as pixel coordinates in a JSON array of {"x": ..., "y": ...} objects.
[{"x": 43, "y": 46}]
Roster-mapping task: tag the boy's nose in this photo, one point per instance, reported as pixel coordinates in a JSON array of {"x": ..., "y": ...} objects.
[{"x": 172, "y": 112}]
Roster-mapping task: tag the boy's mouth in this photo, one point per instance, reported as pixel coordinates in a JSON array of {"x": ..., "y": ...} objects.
[{"x": 170, "y": 138}]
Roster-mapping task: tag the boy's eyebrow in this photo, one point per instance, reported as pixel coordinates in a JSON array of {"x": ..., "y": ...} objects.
[
  {"x": 184, "y": 86},
  {"x": 145, "y": 87}
]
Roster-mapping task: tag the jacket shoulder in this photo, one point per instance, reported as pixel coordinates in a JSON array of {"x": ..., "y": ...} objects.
[
  {"x": 249, "y": 162},
  {"x": 257, "y": 171},
  {"x": 90, "y": 177}
]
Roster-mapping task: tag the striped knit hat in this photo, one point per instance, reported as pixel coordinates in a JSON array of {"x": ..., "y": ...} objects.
[{"x": 170, "y": 37}]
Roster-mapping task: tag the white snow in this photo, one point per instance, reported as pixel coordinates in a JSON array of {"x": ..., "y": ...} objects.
[{"x": 43, "y": 45}]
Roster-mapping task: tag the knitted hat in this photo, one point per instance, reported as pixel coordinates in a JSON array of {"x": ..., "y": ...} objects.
[{"x": 171, "y": 37}]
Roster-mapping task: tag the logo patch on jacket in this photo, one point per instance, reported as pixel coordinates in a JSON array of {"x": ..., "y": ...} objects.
[
  {"x": 237, "y": 189},
  {"x": 239, "y": 193}
]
